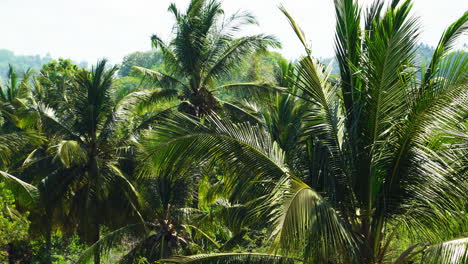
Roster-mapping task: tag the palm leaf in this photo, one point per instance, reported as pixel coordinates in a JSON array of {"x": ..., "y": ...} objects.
[
  {"x": 453, "y": 252},
  {"x": 234, "y": 53},
  {"x": 304, "y": 217},
  {"x": 250, "y": 89},
  {"x": 106, "y": 243},
  {"x": 26, "y": 194},
  {"x": 232, "y": 258},
  {"x": 297, "y": 30},
  {"x": 446, "y": 42},
  {"x": 348, "y": 52},
  {"x": 179, "y": 142},
  {"x": 166, "y": 81},
  {"x": 71, "y": 153},
  {"x": 13, "y": 143}
]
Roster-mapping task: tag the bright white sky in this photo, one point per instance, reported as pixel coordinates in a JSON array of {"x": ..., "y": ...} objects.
[{"x": 93, "y": 29}]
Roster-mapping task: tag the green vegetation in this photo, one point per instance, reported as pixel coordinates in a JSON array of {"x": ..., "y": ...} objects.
[
  {"x": 22, "y": 63},
  {"x": 213, "y": 149},
  {"x": 13, "y": 224}
]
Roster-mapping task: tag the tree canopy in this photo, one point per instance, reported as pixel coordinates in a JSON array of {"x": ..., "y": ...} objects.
[{"x": 213, "y": 148}]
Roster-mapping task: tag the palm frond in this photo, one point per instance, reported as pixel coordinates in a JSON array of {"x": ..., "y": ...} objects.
[
  {"x": 234, "y": 23},
  {"x": 204, "y": 234},
  {"x": 348, "y": 43},
  {"x": 14, "y": 143},
  {"x": 26, "y": 194},
  {"x": 297, "y": 30},
  {"x": 71, "y": 153},
  {"x": 248, "y": 90},
  {"x": 325, "y": 121},
  {"x": 232, "y": 258},
  {"x": 305, "y": 218},
  {"x": 238, "y": 112},
  {"x": 170, "y": 60},
  {"x": 446, "y": 42},
  {"x": 164, "y": 80},
  {"x": 52, "y": 123},
  {"x": 123, "y": 117},
  {"x": 453, "y": 252},
  {"x": 233, "y": 54},
  {"x": 184, "y": 141},
  {"x": 106, "y": 243}
]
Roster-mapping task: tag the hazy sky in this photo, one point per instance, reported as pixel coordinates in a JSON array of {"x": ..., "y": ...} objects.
[{"x": 93, "y": 29}]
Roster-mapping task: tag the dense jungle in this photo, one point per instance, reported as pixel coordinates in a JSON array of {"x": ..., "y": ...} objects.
[{"x": 213, "y": 148}]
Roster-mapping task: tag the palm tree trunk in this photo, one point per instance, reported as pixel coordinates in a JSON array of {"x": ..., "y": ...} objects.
[
  {"x": 97, "y": 252},
  {"x": 94, "y": 172},
  {"x": 48, "y": 244}
]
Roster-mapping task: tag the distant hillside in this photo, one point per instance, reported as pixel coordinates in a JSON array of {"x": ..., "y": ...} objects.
[{"x": 23, "y": 62}]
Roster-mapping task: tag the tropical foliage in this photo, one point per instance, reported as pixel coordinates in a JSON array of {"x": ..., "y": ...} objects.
[
  {"x": 197, "y": 155},
  {"x": 204, "y": 50}
]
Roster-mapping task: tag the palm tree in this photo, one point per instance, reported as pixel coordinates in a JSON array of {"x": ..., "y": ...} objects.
[
  {"x": 15, "y": 88},
  {"x": 88, "y": 136},
  {"x": 53, "y": 171},
  {"x": 203, "y": 51},
  {"x": 282, "y": 111},
  {"x": 387, "y": 148},
  {"x": 52, "y": 81},
  {"x": 14, "y": 96},
  {"x": 13, "y": 147},
  {"x": 169, "y": 228},
  {"x": 21, "y": 136}
]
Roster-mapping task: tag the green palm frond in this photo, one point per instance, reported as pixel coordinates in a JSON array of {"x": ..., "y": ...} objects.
[
  {"x": 446, "y": 42},
  {"x": 232, "y": 258},
  {"x": 235, "y": 22},
  {"x": 132, "y": 195},
  {"x": 232, "y": 55},
  {"x": 389, "y": 46},
  {"x": 348, "y": 41},
  {"x": 170, "y": 58},
  {"x": 325, "y": 121},
  {"x": 453, "y": 252},
  {"x": 10, "y": 91},
  {"x": 297, "y": 30},
  {"x": 26, "y": 194},
  {"x": 164, "y": 80},
  {"x": 124, "y": 116},
  {"x": 391, "y": 43},
  {"x": 180, "y": 140},
  {"x": 13, "y": 143},
  {"x": 306, "y": 218},
  {"x": 233, "y": 217},
  {"x": 313, "y": 82},
  {"x": 251, "y": 89},
  {"x": 238, "y": 112},
  {"x": 204, "y": 234},
  {"x": 71, "y": 153},
  {"x": 91, "y": 101},
  {"x": 52, "y": 123},
  {"x": 111, "y": 240},
  {"x": 284, "y": 119},
  {"x": 24, "y": 87},
  {"x": 250, "y": 93}
]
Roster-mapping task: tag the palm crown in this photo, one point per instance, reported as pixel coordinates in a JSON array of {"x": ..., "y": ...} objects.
[{"x": 203, "y": 51}]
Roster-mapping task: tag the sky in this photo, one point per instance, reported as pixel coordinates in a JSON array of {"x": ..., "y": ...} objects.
[{"x": 88, "y": 30}]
